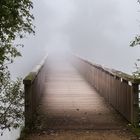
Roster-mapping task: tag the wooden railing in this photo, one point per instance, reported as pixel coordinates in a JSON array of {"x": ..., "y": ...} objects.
[
  {"x": 119, "y": 89},
  {"x": 34, "y": 87}
]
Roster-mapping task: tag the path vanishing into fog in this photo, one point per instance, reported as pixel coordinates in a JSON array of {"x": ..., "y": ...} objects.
[{"x": 72, "y": 109}]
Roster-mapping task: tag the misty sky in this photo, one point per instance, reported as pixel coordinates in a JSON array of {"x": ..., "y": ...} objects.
[{"x": 99, "y": 31}]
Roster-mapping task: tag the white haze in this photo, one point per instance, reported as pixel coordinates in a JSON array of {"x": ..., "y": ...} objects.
[
  {"x": 98, "y": 30},
  {"x": 102, "y": 30}
]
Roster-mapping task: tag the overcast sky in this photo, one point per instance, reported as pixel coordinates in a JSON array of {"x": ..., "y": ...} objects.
[{"x": 98, "y": 30}]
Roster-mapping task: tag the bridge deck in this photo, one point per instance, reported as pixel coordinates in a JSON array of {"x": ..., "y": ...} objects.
[{"x": 69, "y": 102}]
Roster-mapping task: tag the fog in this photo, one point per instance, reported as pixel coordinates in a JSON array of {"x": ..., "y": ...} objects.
[{"x": 99, "y": 31}]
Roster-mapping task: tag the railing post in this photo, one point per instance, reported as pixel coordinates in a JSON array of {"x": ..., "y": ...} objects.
[
  {"x": 135, "y": 104},
  {"x": 120, "y": 89},
  {"x": 28, "y": 103},
  {"x": 33, "y": 88}
]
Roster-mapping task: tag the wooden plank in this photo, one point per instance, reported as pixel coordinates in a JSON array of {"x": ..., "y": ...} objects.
[{"x": 69, "y": 102}]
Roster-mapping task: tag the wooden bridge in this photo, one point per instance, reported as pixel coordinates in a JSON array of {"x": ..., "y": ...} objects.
[{"x": 64, "y": 93}]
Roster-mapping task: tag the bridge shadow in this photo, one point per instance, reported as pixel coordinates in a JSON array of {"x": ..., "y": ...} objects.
[{"x": 69, "y": 102}]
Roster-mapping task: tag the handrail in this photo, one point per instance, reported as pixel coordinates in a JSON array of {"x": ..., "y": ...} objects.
[
  {"x": 34, "y": 87},
  {"x": 32, "y": 75},
  {"x": 112, "y": 72},
  {"x": 119, "y": 89}
]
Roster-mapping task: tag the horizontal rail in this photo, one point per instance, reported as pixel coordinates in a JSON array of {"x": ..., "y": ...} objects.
[
  {"x": 118, "y": 88},
  {"x": 33, "y": 86}
]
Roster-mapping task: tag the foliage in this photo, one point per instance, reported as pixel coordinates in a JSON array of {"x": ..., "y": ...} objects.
[
  {"x": 15, "y": 21},
  {"x": 136, "y": 73},
  {"x": 11, "y": 104},
  {"x": 135, "y": 42}
]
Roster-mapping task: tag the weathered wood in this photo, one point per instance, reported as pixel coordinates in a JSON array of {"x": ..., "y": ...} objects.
[
  {"x": 135, "y": 104},
  {"x": 33, "y": 86},
  {"x": 118, "y": 88},
  {"x": 70, "y": 102}
]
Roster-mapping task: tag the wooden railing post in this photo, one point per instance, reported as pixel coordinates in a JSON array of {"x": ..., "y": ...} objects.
[
  {"x": 119, "y": 89},
  {"x": 33, "y": 88},
  {"x": 135, "y": 104},
  {"x": 28, "y": 103}
]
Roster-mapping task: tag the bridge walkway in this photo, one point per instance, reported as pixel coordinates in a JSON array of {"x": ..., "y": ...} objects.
[{"x": 69, "y": 102}]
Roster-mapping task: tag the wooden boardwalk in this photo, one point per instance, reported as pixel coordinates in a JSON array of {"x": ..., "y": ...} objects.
[{"x": 70, "y": 103}]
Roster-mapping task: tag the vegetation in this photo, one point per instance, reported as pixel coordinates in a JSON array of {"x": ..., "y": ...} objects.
[
  {"x": 134, "y": 43},
  {"x": 15, "y": 22}
]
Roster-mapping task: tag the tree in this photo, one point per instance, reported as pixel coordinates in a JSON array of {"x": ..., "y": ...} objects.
[
  {"x": 15, "y": 22},
  {"x": 134, "y": 43},
  {"x": 136, "y": 40}
]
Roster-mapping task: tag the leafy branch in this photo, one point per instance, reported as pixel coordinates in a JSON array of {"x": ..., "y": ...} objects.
[{"x": 15, "y": 22}]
